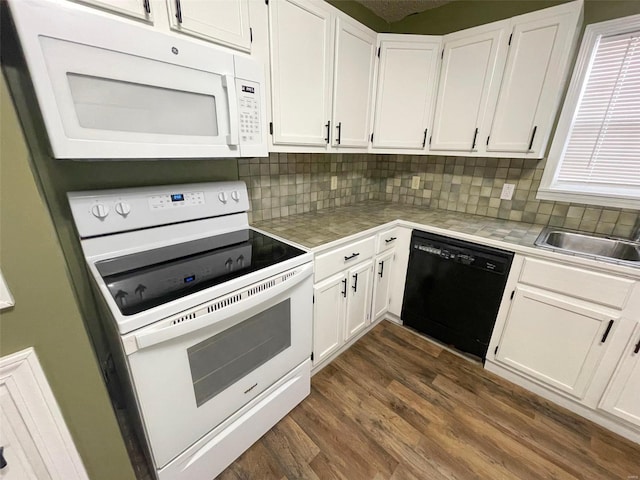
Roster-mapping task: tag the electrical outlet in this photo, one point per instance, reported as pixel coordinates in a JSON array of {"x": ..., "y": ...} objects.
[
  {"x": 334, "y": 182},
  {"x": 415, "y": 182},
  {"x": 507, "y": 191}
]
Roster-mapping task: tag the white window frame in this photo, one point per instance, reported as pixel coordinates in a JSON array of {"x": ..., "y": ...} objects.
[{"x": 548, "y": 190}]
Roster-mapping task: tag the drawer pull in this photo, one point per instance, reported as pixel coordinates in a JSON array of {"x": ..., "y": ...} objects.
[
  {"x": 637, "y": 349},
  {"x": 344, "y": 284},
  {"x": 606, "y": 332},
  {"x": 350, "y": 257},
  {"x": 355, "y": 283},
  {"x": 390, "y": 239}
]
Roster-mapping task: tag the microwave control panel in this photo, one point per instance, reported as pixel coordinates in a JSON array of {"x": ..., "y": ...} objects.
[{"x": 249, "y": 112}]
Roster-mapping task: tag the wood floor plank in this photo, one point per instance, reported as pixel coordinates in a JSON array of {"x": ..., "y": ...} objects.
[{"x": 398, "y": 407}]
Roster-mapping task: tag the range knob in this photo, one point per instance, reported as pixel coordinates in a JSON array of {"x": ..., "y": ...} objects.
[
  {"x": 235, "y": 195},
  {"x": 222, "y": 196},
  {"x": 100, "y": 211},
  {"x": 123, "y": 208}
]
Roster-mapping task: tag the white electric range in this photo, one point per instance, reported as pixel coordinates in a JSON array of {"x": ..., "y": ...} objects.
[{"x": 209, "y": 320}]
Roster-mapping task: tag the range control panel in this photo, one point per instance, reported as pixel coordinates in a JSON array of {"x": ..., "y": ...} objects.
[{"x": 111, "y": 211}]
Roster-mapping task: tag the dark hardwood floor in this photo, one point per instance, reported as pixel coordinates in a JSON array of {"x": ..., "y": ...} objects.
[{"x": 396, "y": 406}]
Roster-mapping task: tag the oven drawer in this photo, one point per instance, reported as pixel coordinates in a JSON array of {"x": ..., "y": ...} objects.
[{"x": 336, "y": 260}]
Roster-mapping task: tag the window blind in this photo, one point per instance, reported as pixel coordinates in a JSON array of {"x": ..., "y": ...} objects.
[{"x": 603, "y": 149}]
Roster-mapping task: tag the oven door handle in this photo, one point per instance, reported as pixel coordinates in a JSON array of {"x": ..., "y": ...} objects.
[{"x": 219, "y": 318}]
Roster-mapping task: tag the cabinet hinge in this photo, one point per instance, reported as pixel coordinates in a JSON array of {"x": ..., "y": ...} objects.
[
  {"x": 442, "y": 54},
  {"x": 512, "y": 294},
  {"x": 250, "y": 35},
  {"x": 488, "y": 140},
  {"x": 312, "y": 356},
  {"x": 430, "y": 140},
  {"x": 495, "y": 352},
  {"x": 372, "y": 138},
  {"x": 510, "y": 37},
  {"x": 378, "y": 52},
  {"x": 266, "y": 2},
  {"x": 271, "y": 128},
  {"x": 313, "y": 299}
]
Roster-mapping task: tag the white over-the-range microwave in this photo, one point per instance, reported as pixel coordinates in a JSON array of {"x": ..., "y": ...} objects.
[{"x": 109, "y": 88}]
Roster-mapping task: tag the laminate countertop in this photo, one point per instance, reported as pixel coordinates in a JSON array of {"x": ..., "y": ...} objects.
[{"x": 314, "y": 229}]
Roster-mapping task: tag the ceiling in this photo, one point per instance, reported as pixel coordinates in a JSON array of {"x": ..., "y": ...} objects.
[{"x": 394, "y": 10}]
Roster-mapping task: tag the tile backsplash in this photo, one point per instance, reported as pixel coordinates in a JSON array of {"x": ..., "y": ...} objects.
[{"x": 286, "y": 183}]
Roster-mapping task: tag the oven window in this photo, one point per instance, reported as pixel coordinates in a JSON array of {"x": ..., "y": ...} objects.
[{"x": 222, "y": 360}]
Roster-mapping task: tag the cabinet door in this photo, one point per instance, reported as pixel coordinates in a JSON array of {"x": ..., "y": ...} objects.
[
  {"x": 536, "y": 69},
  {"x": 472, "y": 66},
  {"x": 406, "y": 91},
  {"x": 556, "y": 340},
  {"x": 384, "y": 267},
  {"x": 328, "y": 316},
  {"x": 132, "y": 8},
  {"x": 355, "y": 53},
  {"x": 359, "y": 298},
  {"x": 622, "y": 397},
  {"x": 221, "y": 21},
  {"x": 301, "y": 60}
]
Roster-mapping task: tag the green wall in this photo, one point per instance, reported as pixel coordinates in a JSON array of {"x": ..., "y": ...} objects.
[
  {"x": 46, "y": 315},
  {"x": 362, "y": 14},
  {"x": 463, "y": 14}
]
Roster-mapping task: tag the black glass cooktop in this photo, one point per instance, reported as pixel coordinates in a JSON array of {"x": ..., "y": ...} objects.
[{"x": 147, "y": 279}]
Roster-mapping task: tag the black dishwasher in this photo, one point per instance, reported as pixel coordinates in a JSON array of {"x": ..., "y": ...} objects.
[{"x": 453, "y": 290}]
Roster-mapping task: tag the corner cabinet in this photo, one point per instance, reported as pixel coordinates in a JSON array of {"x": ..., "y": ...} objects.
[
  {"x": 405, "y": 92},
  {"x": 469, "y": 81},
  {"x": 501, "y": 84},
  {"x": 322, "y": 77},
  {"x": 221, "y": 21}
]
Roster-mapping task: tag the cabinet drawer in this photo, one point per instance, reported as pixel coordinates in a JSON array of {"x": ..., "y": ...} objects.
[
  {"x": 343, "y": 257},
  {"x": 592, "y": 286},
  {"x": 387, "y": 239}
]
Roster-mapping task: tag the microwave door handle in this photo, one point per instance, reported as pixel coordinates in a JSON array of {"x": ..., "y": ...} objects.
[
  {"x": 229, "y": 83},
  {"x": 221, "y": 317}
]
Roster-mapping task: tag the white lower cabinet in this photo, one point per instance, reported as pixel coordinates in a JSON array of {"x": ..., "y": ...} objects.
[
  {"x": 328, "y": 316},
  {"x": 358, "y": 298},
  {"x": 622, "y": 396},
  {"x": 555, "y": 339},
  {"x": 384, "y": 268}
]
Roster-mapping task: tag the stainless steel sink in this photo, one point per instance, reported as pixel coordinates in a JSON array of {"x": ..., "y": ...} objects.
[{"x": 603, "y": 248}]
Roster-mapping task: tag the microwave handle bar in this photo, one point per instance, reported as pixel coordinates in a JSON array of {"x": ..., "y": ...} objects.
[
  {"x": 229, "y": 82},
  {"x": 220, "y": 318}
]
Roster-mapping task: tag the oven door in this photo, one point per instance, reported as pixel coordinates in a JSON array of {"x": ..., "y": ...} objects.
[{"x": 192, "y": 371}]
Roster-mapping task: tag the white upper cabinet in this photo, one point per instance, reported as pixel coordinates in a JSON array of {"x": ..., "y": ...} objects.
[
  {"x": 532, "y": 84},
  {"x": 140, "y": 9},
  {"x": 355, "y": 51},
  {"x": 221, "y": 21},
  {"x": 301, "y": 39},
  {"x": 406, "y": 87},
  {"x": 469, "y": 82}
]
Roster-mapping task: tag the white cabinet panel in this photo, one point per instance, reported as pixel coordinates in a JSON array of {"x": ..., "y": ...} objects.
[
  {"x": 328, "y": 316},
  {"x": 399, "y": 274},
  {"x": 384, "y": 266},
  {"x": 533, "y": 78},
  {"x": 132, "y": 8},
  {"x": 355, "y": 52},
  {"x": 301, "y": 66},
  {"x": 469, "y": 79},
  {"x": 405, "y": 96},
  {"x": 555, "y": 339},
  {"x": 221, "y": 21},
  {"x": 622, "y": 397},
  {"x": 359, "y": 298}
]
